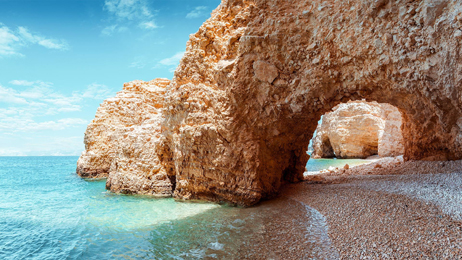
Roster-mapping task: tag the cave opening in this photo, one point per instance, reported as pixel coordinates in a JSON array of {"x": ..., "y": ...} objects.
[
  {"x": 288, "y": 126},
  {"x": 349, "y": 130}
]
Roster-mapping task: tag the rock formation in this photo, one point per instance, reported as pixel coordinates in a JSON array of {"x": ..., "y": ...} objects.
[
  {"x": 322, "y": 148},
  {"x": 358, "y": 130},
  {"x": 124, "y": 142},
  {"x": 391, "y": 138},
  {"x": 236, "y": 119}
]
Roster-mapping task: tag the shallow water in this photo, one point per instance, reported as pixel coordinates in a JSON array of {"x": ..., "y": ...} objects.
[
  {"x": 48, "y": 212},
  {"x": 314, "y": 165}
]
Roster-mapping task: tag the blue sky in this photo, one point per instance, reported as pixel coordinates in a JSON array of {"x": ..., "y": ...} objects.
[{"x": 60, "y": 59}]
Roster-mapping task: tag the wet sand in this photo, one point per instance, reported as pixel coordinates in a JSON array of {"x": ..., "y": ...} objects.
[
  {"x": 415, "y": 213},
  {"x": 288, "y": 230}
]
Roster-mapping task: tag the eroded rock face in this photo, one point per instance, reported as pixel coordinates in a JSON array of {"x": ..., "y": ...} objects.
[
  {"x": 124, "y": 142},
  {"x": 391, "y": 138},
  {"x": 322, "y": 148},
  {"x": 233, "y": 133},
  {"x": 358, "y": 130}
]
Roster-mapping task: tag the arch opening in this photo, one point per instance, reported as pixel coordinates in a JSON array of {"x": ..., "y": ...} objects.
[
  {"x": 425, "y": 137},
  {"x": 355, "y": 133}
]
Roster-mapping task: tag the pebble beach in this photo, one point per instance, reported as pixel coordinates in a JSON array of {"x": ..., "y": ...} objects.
[{"x": 415, "y": 213}]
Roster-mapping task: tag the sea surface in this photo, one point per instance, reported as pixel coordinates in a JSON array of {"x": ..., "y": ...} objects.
[
  {"x": 315, "y": 165},
  {"x": 48, "y": 212}
]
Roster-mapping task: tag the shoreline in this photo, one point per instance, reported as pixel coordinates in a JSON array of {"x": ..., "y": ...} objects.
[{"x": 382, "y": 166}]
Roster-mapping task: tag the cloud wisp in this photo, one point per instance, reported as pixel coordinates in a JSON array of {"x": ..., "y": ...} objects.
[
  {"x": 39, "y": 96},
  {"x": 28, "y": 37},
  {"x": 97, "y": 91},
  {"x": 199, "y": 11},
  {"x": 110, "y": 30},
  {"x": 29, "y": 125},
  {"x": 40, "y": 145},
  {"x": 12, "y": 41},
  {"x": 174, "y": 60},
  {"x": 129, "y": 9},
  {"x": 21, "y": 110},
  {"x": 129, "y": 12},
  {"x": 171, "y": 62},
  {"x": 149, "y": 25},
  {"x": 36, "y": 119},
  {"x": 8, "y": 41}
]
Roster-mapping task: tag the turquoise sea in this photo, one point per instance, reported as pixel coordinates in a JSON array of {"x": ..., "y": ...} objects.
[
  {"x": 48, "y": 212},
  {"x": 320, "y": 164}
]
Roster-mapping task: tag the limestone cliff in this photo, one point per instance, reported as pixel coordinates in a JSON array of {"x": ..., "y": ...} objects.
[
  {"x": 322, "y": 148},
  {"x": 124, "y": 141},
  {"x": 257, "y": 76},
  {"x": 358, "y": 130},
  {"x": 390, "y": 138}
]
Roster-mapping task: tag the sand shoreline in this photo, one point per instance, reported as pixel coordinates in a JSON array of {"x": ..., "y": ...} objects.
[{"x": 409, "y": 210}]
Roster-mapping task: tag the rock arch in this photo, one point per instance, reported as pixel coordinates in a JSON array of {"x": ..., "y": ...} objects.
[{"x": 257, "y": 76}]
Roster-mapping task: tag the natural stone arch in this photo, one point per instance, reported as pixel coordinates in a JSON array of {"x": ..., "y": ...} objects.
[{"x": 258, "y": 75}]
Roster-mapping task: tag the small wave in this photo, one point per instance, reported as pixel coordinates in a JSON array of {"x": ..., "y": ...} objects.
[{"x": 216, "y": 246}]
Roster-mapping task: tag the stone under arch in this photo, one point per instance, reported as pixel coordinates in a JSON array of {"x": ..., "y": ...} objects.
[
  {"x": 236, "y": 120},
  {"x": 358, "y": 129}
]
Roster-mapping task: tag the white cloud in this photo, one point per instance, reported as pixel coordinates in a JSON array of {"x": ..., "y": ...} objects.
[
  {"x": 34, "y": 117},
  {"x": 34, "y": 93},
  {"x": 11, "y": 42},
  {"x": 12, "y": 152},
  {"x": 10, "y": 96},
  {"x": 148, "y": 25},
  {"x": 52, "y": 44},
  {"x": 22, "y": 82},
  {"x": 60, "y": 103},
  {"x": 98, "y": 91},
  {"x": 29, "y": 125},
  {"x": 199, "y": 11},
  {"x": 39, "y": 99},
  {"x": 8, "y": 41},
  {"x": 129, "y": 12},
  {"x": 110, "y": 30},
  {"x": 128, "y": 9},
  {"x": 38, "y": 89},
  {"x": 171, "y": 62},
  {"x": 40, "y": 145},
  {"x": 174, "y": 60},
  {"x": 28, "y": 37},
  {"x": 137, "y": 64}
]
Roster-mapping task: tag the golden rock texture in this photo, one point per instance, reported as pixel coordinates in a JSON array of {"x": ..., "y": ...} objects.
[
  {"x": 391, "y": 141},
  {"x": 227, "y": 131},
  {"x": 124, "y": 141},
  {"x": 359, "y": 129}
]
